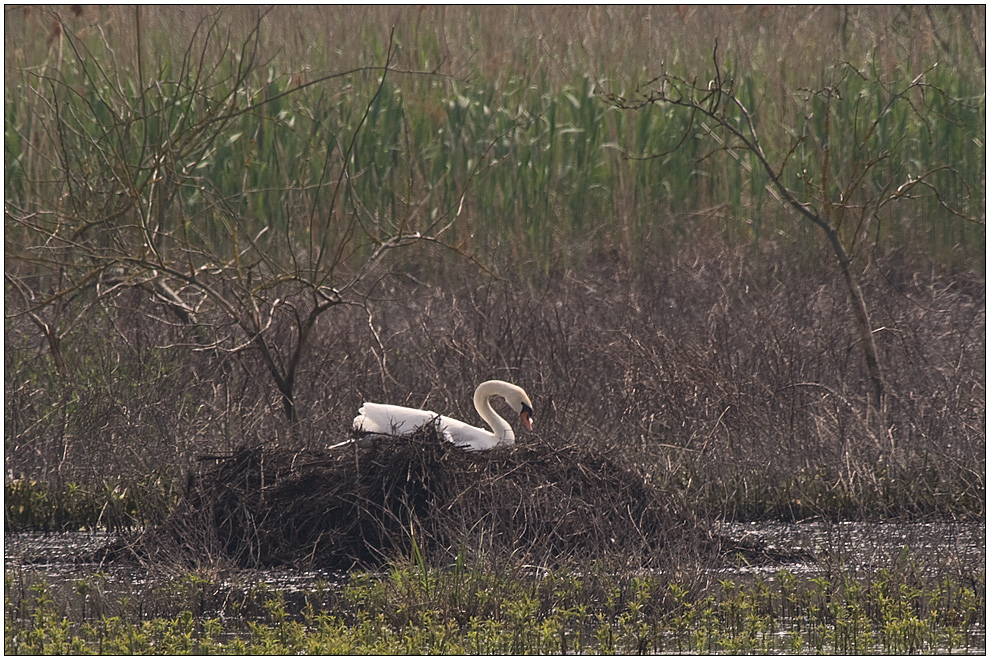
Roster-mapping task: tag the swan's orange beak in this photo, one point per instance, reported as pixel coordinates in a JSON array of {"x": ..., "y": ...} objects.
[{"x": 527, "y": 420}]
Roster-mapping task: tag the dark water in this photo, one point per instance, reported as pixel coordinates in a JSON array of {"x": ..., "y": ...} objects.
[{"x": 853, "y": 545}]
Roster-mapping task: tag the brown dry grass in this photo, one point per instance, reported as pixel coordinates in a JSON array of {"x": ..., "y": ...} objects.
[
  {"x": 708, "y": 357},
  {"x": 609, "y": 41},
  {"x": 713, "y": 383}
]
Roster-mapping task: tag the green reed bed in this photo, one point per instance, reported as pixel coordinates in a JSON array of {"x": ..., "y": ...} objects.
[
  {"x": 414, "y": 610},
  {"x": 233, "y": 134}
]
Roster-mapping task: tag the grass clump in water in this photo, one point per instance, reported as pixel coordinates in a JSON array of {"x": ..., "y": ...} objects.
[{"x": 36, "y": 505}]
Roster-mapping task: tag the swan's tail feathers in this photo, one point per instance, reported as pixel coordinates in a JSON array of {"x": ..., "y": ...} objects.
[
  {"x": 363, "y": 424},
  {"x": 371, "y": 420}
]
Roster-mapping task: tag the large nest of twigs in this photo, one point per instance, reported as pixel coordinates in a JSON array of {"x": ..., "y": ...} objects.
[{"x": 366, "y": 502}]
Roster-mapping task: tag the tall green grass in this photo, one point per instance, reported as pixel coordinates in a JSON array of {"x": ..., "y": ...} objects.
[{"x": 528, "y": 158}]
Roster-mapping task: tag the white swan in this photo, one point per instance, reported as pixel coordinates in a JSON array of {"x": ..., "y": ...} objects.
[{"x": 399, "y": 420}]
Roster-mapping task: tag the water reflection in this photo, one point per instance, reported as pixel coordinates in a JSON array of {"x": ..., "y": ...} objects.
[{"x": 867, "y": 546}]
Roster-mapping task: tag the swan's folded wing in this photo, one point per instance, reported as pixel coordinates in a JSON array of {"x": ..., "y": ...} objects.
[
  {"x": 467, "y": 437},
  {"x": 393, "y": 420},
  {"x": 399, "y": 420}
]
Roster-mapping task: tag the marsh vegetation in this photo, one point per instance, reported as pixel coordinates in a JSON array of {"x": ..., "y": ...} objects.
[{"x": 759, "y": 298}]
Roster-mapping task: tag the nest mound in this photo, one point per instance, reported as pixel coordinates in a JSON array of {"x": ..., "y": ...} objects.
[{"x": 364, "y": 503}]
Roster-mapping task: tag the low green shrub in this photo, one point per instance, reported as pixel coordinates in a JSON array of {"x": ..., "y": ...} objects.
[{"x": 409, "y": 611}]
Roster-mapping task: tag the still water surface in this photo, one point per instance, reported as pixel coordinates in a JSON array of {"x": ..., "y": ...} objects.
[{"x": 853, "y": 545}]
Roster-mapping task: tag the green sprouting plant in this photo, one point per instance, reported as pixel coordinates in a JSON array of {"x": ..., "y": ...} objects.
[{"x": 736, "y": 617}]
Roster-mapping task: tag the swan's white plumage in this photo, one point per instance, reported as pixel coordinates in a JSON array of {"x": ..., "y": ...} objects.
[
  {"x": 392, "y": 420},
  {"x": 399, "y": 420}
]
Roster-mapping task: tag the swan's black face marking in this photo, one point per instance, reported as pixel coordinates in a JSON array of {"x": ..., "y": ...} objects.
[{"x": 527, "y": 417}]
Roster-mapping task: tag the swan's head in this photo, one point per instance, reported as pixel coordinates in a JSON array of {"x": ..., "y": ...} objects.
[
  {"x": 514, "y": 395},
  {"x": 526, "y": 412},
  {"x": 519, "y": 401}
]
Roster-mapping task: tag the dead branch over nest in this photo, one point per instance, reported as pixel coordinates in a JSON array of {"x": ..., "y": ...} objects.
[{"x": 365, "y": 503}]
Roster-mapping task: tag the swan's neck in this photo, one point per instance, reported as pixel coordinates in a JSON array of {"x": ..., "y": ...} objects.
[{"x": 503, "y": 432}]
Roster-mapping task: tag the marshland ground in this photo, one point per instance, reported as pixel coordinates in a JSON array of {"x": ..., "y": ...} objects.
[{"x": 227, "y": 228}]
